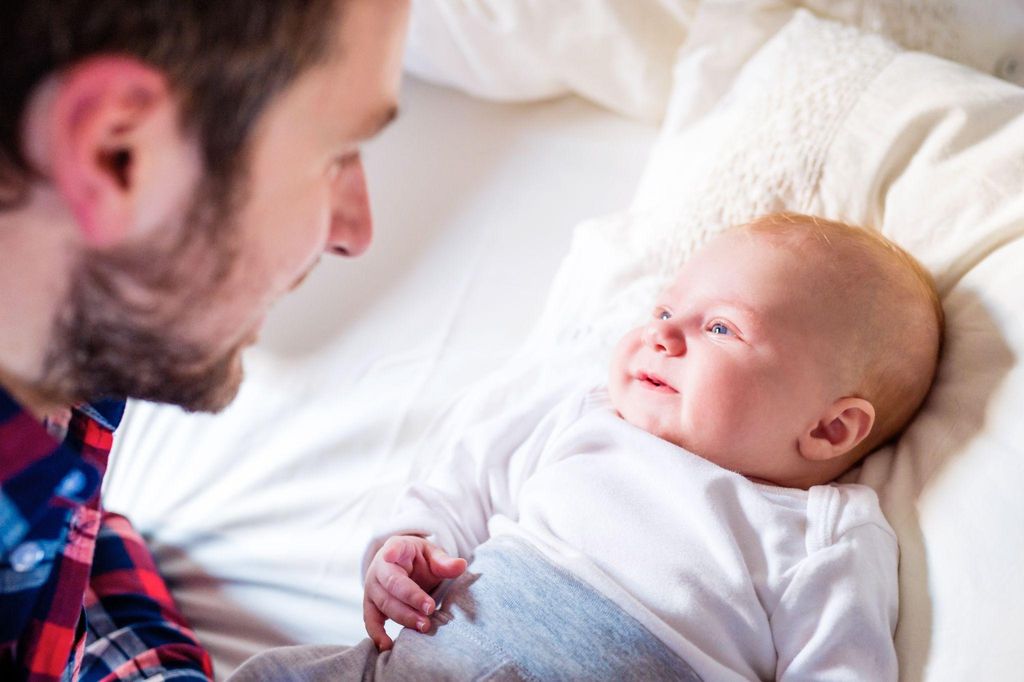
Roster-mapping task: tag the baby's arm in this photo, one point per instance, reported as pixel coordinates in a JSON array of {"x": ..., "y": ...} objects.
[
  {"x": 398, "y": 580},
  {"x": 476, "y": 477},
  {"x": 837, "y": 617}
]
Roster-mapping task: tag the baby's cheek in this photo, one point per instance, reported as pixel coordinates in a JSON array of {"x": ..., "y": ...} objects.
[
  {"x": 731, "y": 409},
  {"x": 615, "y": 393},
  {"x": 623, "y": 353}
]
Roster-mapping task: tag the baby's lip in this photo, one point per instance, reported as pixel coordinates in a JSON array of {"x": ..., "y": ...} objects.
[{"x": 655, "y": 382}]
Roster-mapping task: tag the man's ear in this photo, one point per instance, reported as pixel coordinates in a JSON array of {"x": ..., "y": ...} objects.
[
  {"x": 113, "y": 137},
  {"x": 845, "y": 424}
]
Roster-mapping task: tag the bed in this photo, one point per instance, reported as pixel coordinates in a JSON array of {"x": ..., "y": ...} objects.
[{"x": 553, "y": 163}]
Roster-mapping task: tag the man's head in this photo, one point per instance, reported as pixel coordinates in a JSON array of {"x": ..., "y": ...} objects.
[
  {"x": 785, "y": 350},
  {"x": 184, "y": 164}
]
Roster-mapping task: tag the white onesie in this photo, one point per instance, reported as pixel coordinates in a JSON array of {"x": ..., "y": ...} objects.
[{"x": 743, "y": 580}]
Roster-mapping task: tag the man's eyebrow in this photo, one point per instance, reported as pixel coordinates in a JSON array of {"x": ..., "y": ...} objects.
[{"x": 377, "y": 121}]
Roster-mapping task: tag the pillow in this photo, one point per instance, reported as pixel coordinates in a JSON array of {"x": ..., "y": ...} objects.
[
  {"x": 620, "y": 54},
  {"x": 617, "y": 54},
  {"x": 828, "y": 120},
  {"x": 984, "y": 34}
]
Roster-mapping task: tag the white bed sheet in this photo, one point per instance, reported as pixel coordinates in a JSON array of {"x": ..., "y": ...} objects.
[{"x": 258, "y": 516}]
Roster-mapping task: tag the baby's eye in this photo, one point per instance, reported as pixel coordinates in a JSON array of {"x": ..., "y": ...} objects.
[
  {"x": 662, "y": 314},
  {"x": 719, "y": 328}
]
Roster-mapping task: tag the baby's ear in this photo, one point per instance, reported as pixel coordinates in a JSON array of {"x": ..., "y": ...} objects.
[{"x": 844, "y": 425}]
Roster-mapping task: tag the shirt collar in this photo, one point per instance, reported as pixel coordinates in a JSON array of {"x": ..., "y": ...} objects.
[{"x": 107, "y": 412}]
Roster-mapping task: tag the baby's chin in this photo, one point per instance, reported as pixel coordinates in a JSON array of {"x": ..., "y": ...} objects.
[
  {"x": 652, "y": 424},
  {"x": 676, "y": 436}
]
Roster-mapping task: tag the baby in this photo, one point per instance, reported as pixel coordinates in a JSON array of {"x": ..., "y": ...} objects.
[{"x": 681, "y": 522}]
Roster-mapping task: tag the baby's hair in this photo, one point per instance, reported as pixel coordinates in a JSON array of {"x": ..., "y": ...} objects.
[{"x": 896, "y": 317}]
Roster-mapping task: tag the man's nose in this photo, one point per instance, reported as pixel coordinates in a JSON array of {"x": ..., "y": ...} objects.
[
  {"x": 663, "y": 337},
  {"x": 351, "y": 222}
]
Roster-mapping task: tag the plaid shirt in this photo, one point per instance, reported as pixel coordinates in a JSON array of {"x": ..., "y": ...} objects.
[{"x": 80, "y": 595}]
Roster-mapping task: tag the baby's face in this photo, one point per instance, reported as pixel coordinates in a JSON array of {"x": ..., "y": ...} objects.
[{"x": 736, "y": 359}]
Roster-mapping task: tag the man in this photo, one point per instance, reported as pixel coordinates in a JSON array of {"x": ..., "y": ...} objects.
[{"x": 168, "y": 169}]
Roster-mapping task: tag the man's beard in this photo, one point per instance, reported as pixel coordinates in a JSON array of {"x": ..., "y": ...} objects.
[{"x": 123, "y": 329}]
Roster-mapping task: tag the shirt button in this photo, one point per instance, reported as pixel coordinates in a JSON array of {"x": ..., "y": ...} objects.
[
  {"x": 1010, "y": 68},
  {"x": 26, "y": 556},
  {"x": 72, "y": 484}
]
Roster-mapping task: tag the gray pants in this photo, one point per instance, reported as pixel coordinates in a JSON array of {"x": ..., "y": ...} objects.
[{"x": 511, "y": 616}]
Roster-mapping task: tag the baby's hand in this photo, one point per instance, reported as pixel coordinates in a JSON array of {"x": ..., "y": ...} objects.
[{"x": 404, "y": 569}]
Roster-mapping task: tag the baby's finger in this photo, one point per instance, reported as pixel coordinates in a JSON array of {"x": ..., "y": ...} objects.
[
  {"x": 374, "y": 621},
  {"x": 400, "y": 586},
  {"x": 399, "y": 550},
  {"x": 395, "y": 609},
  {"x": 444, "y": 566}
]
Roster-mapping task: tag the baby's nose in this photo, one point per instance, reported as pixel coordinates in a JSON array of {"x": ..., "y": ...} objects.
[{"x": 665, "y": 338}]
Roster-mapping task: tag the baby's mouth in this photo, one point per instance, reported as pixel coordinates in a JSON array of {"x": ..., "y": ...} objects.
[{"x": 654, "y": 383}]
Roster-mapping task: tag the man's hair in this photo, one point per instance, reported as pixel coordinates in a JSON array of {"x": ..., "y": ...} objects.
[
  {"x": 225, "y": 60},
  {"x": 894, "y": 334}
]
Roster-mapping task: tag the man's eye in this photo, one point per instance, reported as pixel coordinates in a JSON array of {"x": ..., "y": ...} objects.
[
  {"x": 719, "y": 328},
  {"x": 663, "y": 314}
]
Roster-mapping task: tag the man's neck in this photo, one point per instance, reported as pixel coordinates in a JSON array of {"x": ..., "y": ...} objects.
[
  {"x": 35, "y": 239},
  {"x": 35, "y": 402}
]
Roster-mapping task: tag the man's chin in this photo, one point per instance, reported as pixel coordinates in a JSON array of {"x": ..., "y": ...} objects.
[
  {"x": 220, "y": 391},
  {"x": 209, "y": 387}
]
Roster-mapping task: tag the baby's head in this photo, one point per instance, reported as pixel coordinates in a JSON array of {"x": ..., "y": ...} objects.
[{"x": 785, "y": 350}]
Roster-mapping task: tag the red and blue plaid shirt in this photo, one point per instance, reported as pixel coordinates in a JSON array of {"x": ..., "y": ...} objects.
[{"x": 80, "y": 595}]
